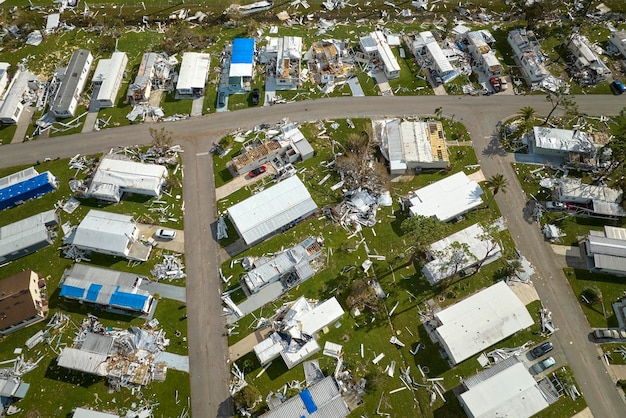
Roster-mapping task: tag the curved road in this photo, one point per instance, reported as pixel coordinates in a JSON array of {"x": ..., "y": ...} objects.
[{"x": 208, "y": 347}]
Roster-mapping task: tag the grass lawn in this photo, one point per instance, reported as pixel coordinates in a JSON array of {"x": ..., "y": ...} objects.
[
  {"x": 6, "y": 133},
  {"x": 612, "y": 288},
  {"x": 612, "y": 350},
  {"x": 49, "y": 383}
]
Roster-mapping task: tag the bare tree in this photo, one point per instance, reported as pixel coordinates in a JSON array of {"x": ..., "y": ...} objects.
[
  {"x": 161, "y": 138},
  {"x": 358, "y": 166}
]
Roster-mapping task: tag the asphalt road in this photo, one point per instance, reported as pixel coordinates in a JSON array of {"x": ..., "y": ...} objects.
[{"x": 207, "y": 346}]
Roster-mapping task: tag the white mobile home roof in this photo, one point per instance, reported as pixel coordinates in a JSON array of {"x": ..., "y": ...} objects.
[
  {"x": 84, "y": 361},
  {"x": 109, "y": 72},
  {"x": 88, "y": 413},
  {"x": 193, "y": 71},
  {"x": 562, "y": 139},
  {"x": 104, "y": 230},
  {"x": 436, "y": 53},
  {"x": 27, "y": 232},
  {"x": 268, "y": 211},
  {"x": 608, "y": 248},
  {"x": 505, "y": 390},
  {"x": 322, "y": 315},
  {"x": 129, "y": 176},
  {"x": 384, "y": 50},
  {"x": 447, "y": 198},
  {"x": 14, "y": 95},
  {"x": 480, "y": 321}
]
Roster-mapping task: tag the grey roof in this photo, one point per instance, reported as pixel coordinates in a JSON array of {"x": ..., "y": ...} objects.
[
  {"x": 80, "y": 60},
  {"x": 266, "y": 212},
  {"x": 15, "y": 92},
  {"x": 608, "y": 248},
  {"x": 84, "y": 361},
  {"x": 106, "y": 231},
  {"x": 98, "y": 344},
  {"x": 563, "y": 140},
  {"x": 27, "y": 232},
  {"x": 326, "y": 397}
]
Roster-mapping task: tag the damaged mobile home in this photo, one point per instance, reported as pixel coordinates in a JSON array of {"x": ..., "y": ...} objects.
[
  {"x": 27, "y": 235},
  {"x": 583, "y": 199},
  {"x": 282, "y": 58},
  {"x": 22, "y": 302}
]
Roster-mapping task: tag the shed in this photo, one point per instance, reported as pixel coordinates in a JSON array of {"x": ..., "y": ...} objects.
[
  {"x": 25, "y": 185},
  {"x": 267, "y": 212},
  {"x": 108, "y": 77},
  {"x": 27, "y": 235},
  {"x": 194, "y": 71},
  {"x": 448, "y": 198},
  {"x": 480, "y": 321}
]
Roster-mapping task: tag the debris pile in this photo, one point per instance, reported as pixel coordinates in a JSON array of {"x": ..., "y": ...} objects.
[
  {"x": 504, "y": 353},
  {"x": 127, "y": 358},
  {"x": 171, "y": 268},
  {"x": 359, "y": 208}
]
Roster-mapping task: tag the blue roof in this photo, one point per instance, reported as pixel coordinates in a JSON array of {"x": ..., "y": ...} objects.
[
  {"x": 128, "y": 300},
  {"x": 71, "y": 291},
  {"x": 243, "y": 51},
  {"x": 42, "y": 181},
  {"x": 308, "y": 401},
  {"x": 92, "y": 293}
]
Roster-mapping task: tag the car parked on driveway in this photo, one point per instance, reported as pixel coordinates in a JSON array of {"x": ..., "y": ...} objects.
[
  {"x": 541, "y": 350},
  {"x": 543, "y": 365},
  {"x": 556, "y": 206},
  {"x": 495, "y": 83},
  {"x": 617, "y": 87},
  {"x": 165, "y": 234},
  {"x": 256, "y": 96},
  {"x": 257, "y": 171}
]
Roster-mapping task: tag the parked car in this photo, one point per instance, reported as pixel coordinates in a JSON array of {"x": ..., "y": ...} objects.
[
  {"x": 617, "y": 87},
  {"x": 257, "y": 171},
  {"x": 541, "y": 350},
  {"x": 436, "y": 77},
  {"x": 221, "y": 99},
  {"x": 556, "y": 206},
  {"x": 606, "y": 334},
  {"x": 495, "y": 83},
  {"x": 256, "y": 96},
  {"x": 165, "y": 234},
  {"x": 543, "y": 365}
]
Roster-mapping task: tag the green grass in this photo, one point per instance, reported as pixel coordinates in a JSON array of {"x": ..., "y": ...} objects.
[
  {"x": 172, "y": 106},
  {"x": 564, "y": 406},
  {"x": 612, "y": 288},
  {"x": 6, "y": 133},
  {"x": 616, "y": 357}
]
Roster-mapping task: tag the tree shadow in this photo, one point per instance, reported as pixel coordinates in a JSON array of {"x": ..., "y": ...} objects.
[{"x": 494, "y": 148}]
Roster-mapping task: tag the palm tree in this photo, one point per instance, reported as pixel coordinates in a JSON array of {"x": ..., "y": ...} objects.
[
  {"x": 527, "y": 116},
  {"x": 496, "y": 183}
]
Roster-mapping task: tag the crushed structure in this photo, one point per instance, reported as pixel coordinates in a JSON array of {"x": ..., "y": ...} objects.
[
  {"x": 572, "y": 145},
  {"x": 506, "y": 389},
  {"x": 480, "y": 321},
  {"x": 72, "y": 82},
  {"x": 589, "y": 69},
  {"x": 359, "y": 208},
  {"x": 107, "y": 289},
  {"x": 605, "y": 251},
  {"x": 27, "y": 235},
  {"x": 117, "y": 174},
  {"x": 587, "y": 199},
  {"x": 12, "y": 389},
  {"x": 282, "y": 57},
  {"x": 270, "y": 211},
  {"x": 194, "y": 70},
  {"x": 412, "y": 146},
  {"x": 295, "y": 326},
  {"x": 109, "y": 233},
  {"x": 429, "y": 54},
  {"x": 155, "y": 72},
  {"x": 170, "y": 268},
  {"x": 376, "y": 47},
  {"x": 22, "y": 92},
  {"x": 328, "y": 62},
  {"x": 22, "y": 302},
  {"x": 484, "y": 58},
  {"x": 292, "y": 266},
  {"x": 107, "y": 79},
  {"x": 618, "y": 40},
  {"x": 459, "y": 252},
  {"x": 320, "y": 400},
  {"x": 448, "y": 198},
  {"x": 527, "y": 54},
  {"x": 127, "y": 358},
  {"x": 24, "y": 185}
]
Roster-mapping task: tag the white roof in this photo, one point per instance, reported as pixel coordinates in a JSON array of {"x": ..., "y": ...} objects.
[
  {"x": 563, "y": 140},
  {"x": 104, "y": 230},
  {"x": 511, "y": 392},
  {"x": 20, "y": 176},
  {"x": 84, "y": 361},
  {"x": 322, "y": 315},
  {"x": 289, "y": 47},
  {"x": 129, "y": 175},
  {"x": 22, "y": 234},
  {"x": 608, "y": 248},
  {"x": 109, "y": 72},
  {"x": 268, "y": 211},
  {"x": 384, "y": 50},
  {"x": 491, "y": 60},
  {"x": 481, "y": 321},
  {"x": 442, "y": 268},
  {"x": 88, "y": 413},
  {"x": 415, "y": 142},
  {"x": 435, "y": 52},
  {"x": 447, "y": 198},
  {"x": 193, "y": 70},
  {"x": 268, "y": 349},
  {"x": 606, "y": 201},
  {"x": 15, "y": 92}
]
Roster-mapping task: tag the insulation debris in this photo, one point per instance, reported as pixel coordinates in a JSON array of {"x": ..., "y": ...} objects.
[{"x": 170, "y": 268}]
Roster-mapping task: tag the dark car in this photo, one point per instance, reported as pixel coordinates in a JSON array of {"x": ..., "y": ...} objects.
[
  {"x": 258, "y": 171},
  {"x": 436, "y": 77},
  {"x": 617, "y": 87},
  {"x": 256, "y": 96},
  {"x": 541, "y": 350},
  {"x": 221, "y": 99},
  {"x": 495, "y": 83}
]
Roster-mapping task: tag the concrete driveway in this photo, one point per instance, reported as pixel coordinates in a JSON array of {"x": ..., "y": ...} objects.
[{"x": 176, "y": 245}]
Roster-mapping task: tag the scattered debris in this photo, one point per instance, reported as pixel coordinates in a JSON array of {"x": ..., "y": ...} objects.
[{"x": 170, "y": 268}]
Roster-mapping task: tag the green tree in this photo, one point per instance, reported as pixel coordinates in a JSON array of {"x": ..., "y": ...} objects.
[
  {"x": 527, "y": 116},
  {"x": 247, "y": 397},
  {"x": 496, "y": 183},
  {"x": 424, "y": 230},
  {"x": 453, "y": 258},
  {"x": 489, "y": 238}
]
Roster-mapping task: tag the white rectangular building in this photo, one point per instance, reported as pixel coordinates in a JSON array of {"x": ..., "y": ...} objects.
[
  {"x": 115, "y": 176},
  {"x": 267, "y": 212},
  {"x": 561, "y": 142},
  {"x": 4, "y": 76},
  {"x": 376, "y": 46},
  {"x": 72, "y": 84},
  {"x": 485, "y": 59},
  {"x": 505, "y": 390},
  {"x": 444, "y": 262},
  {"x": 618, "y": 39},
  {"x": 605, "y": 251},
  {"x": 107, "y": 79},
  {"x": 480, "y": 321},
  {"x": 193, "y": 74},
  {"x": 13, "y": 101},
  {"x": 425, "y": 46},
  {"x": 526, "y": 52},
  {"x": 110, "y": 233},
  {"x": 447, "y": 199}
]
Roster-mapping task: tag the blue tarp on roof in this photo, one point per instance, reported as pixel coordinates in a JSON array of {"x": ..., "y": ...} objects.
[
  {"x": 92, "y": 293},
  {"x": 308, "y": 401},
  {"x": 243, "y": 51},
  {"x": 71, "y": 291},
  {"x": 27, "y": 189},
  {"x": 128, "y": 300}
]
